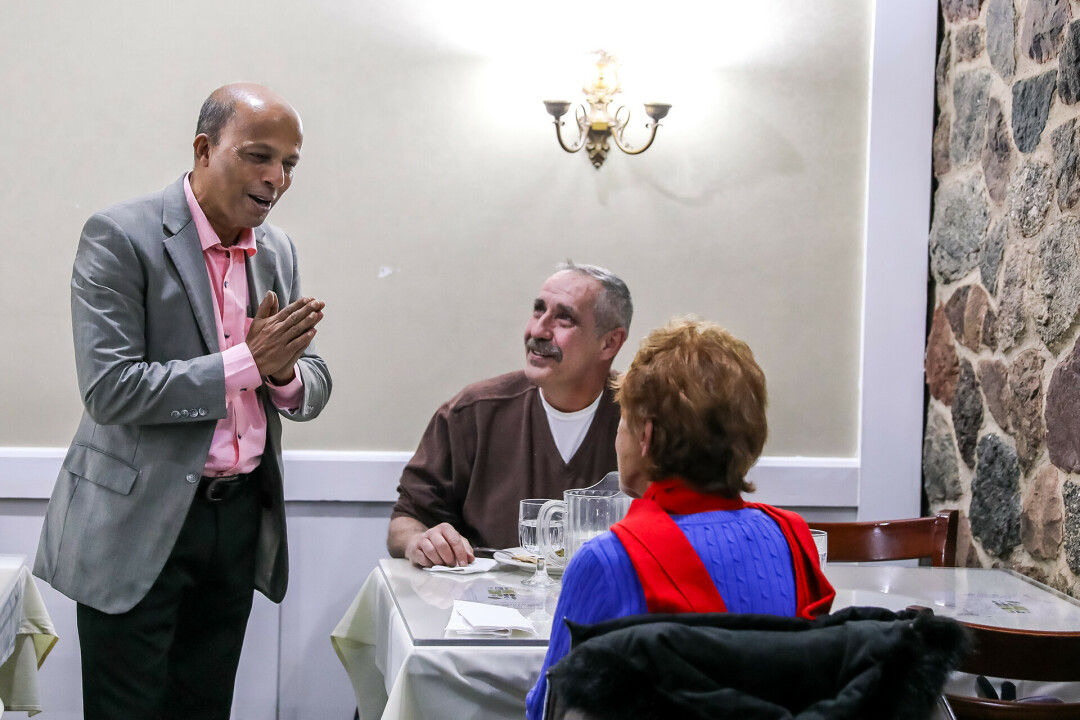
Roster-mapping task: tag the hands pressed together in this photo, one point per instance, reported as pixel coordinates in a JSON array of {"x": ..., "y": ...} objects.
[{"x": 277, "y": 338}]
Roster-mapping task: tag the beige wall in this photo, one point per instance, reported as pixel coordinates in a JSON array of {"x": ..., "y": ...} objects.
[{"x": 429, "y": 159}]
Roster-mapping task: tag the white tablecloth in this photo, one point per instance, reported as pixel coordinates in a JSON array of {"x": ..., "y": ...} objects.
[
  {"x": 393, "y": 679},
  {"x": 397, "y": 678},
  {"x": 34, "y": 637}
]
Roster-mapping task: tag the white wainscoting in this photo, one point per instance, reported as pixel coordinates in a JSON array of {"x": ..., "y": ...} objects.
[
  {"x": 371, "y": 477},
  {"x": 338, "y": 506}
]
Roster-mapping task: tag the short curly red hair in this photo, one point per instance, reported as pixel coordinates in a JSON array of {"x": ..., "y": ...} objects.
[{"x": 705, "y": 395}]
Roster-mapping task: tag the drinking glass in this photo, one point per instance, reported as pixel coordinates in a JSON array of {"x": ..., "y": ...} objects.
[
  {"x": 821, "y": 539},
  {"x": 528, "y": 536}
]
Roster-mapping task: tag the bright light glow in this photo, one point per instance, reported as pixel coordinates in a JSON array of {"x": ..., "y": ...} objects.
[
  {"x": 681, "y": 52},
  {"x": 673, "y": 43},
  {"x": 716, "y": 33}
]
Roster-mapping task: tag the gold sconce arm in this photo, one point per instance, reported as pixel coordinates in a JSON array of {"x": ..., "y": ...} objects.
[
  {"x": 558, "y": 108},
  {"x": 656, "y": 111},
  {"x": 596, "y": 124}
]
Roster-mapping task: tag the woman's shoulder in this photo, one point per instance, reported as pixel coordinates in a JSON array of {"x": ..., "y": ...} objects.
[
  {"x": 730, "y": 527},
  {"x": 747, "y": 515},
  {"x": 601, "y": 559},
  {"x": 600, "y": 581},
  {"x": 601, "y": 551}
]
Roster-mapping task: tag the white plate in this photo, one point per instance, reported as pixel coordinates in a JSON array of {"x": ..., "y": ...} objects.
[{"x": 506, "y": 557}]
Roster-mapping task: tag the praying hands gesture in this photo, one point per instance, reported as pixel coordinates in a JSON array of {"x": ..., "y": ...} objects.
[{"x": 277, "y": 339}]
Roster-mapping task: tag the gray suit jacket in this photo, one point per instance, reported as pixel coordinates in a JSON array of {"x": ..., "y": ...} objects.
[{"x": 153, "y": 387}]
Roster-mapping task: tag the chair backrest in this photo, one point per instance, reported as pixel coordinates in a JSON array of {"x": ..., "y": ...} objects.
[
  {"x": 728, "y": 665},
  {"x": 930, "y": 537},
  {"x": 1019, "y": 655}
]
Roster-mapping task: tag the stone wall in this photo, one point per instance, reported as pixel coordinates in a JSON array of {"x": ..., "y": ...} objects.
[{"x": 1002, "y": 438}]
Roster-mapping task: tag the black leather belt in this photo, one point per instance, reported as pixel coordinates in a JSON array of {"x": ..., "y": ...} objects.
[{"x": 220, "y": 489}]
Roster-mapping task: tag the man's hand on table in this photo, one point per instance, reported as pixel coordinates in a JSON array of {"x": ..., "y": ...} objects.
[{"x": 440, "y": 545}]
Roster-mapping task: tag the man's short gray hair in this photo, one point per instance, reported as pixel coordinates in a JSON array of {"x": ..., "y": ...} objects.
[
  {"x": 215, "y": 113},
  {"x": 614, "y": 308}
]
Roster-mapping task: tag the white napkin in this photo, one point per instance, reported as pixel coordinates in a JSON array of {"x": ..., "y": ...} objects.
[
  {"x": 478, "y": 565},
  {"x": 471, "y": 618}
]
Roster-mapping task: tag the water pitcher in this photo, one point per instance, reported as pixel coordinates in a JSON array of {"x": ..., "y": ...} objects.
[{"x": 583, "y": 513}]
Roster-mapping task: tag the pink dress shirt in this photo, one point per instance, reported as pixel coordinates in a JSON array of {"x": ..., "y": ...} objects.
[{"x": 240, "y": 437}]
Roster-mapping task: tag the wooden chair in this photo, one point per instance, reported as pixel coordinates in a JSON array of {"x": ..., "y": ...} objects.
[
  {"x": 931, "y": 537},
  {"x": 1019, "y": 655}
]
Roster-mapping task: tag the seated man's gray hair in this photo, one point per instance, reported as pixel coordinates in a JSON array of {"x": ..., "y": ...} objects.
[{"x": 614, "y": 308}]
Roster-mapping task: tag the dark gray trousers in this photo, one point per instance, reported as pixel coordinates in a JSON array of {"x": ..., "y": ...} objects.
[{"x": 174, "y": 655}]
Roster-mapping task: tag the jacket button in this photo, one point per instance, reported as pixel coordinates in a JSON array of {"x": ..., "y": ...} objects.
[
  {"x": 202, "y": 411},
  {"x": 192, "y": 478},
  {"x": 194, "y": 412},
  {"x": 183, "y": 413},
  {"x": 175, "y": 414}
]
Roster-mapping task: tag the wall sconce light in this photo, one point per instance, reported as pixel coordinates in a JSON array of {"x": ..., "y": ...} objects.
[{"x": 596, "y": 125}]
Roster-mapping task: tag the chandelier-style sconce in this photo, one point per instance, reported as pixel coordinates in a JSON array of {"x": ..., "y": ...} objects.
[{"x": 597, "y": 125}]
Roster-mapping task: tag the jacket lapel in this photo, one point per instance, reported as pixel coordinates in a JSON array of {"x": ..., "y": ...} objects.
[
  {"x": 261, "y": 271},
  {"x": 182, "y": 244}
]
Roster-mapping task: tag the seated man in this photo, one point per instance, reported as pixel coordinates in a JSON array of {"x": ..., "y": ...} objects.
[{"x": 529, "y": 434}]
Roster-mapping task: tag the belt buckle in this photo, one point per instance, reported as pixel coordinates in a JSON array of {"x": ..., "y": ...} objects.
[
  {"x": 212, "y": 490},
  {"x": 217, "y": 488}
]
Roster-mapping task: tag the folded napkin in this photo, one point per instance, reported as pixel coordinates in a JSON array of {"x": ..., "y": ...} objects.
[
  {"x": 471, "y": 618},
  {"x": 478, "y": 565}
]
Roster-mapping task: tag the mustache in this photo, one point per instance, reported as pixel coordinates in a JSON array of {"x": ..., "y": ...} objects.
[{"x": 544, "y": 347}]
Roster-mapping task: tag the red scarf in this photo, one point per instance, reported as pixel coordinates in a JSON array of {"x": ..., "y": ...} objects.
[{"x": 674, "y": 577}]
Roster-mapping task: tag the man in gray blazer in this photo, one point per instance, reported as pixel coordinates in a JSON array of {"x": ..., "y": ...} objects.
[{"x": 168, "y": 511}]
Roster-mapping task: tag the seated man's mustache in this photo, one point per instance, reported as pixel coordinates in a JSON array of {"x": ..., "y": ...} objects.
[{"x": 544, "y": 347}]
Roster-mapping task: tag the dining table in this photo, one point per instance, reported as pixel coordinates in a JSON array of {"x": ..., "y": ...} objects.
[
  {"x": 404, "y": 665},
  {"x": 27, "y": 636}
]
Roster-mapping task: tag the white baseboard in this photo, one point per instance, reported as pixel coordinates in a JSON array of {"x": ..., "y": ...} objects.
[{"x": 372, "y": 477}]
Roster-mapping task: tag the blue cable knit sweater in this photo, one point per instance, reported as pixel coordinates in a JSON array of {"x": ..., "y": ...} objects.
[{"x": 744, "y": 550}]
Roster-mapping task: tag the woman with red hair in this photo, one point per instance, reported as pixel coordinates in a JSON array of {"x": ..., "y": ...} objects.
[{"x": 693, "y": 423}]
